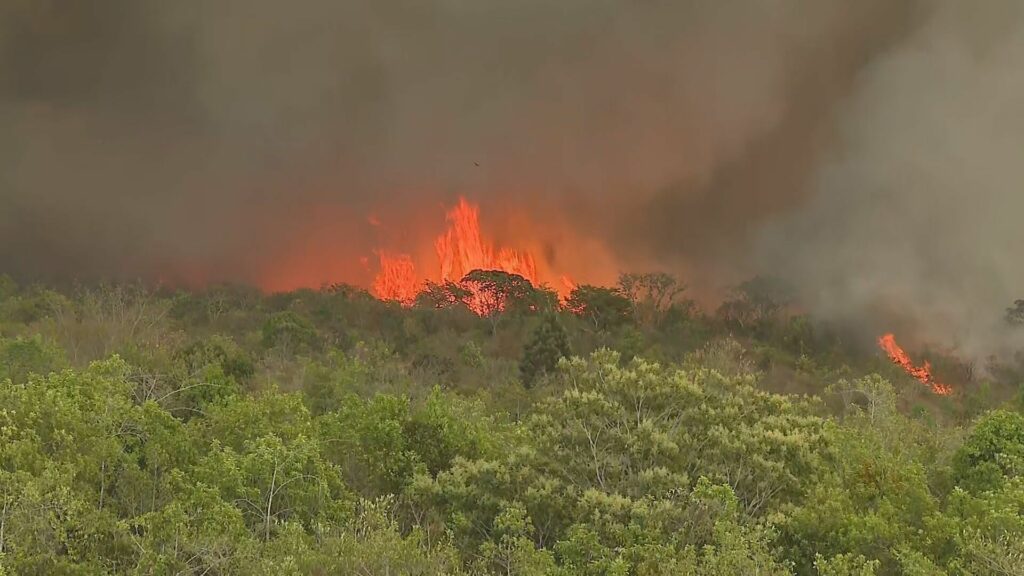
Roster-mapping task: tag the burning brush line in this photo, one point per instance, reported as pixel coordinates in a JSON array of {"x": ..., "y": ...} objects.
[{"x": 923, "y": 374}]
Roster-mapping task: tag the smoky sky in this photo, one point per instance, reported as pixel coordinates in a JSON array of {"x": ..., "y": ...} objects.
[
  {"x": 866, "y": 150},
  {"x": 914, "y": 216}
]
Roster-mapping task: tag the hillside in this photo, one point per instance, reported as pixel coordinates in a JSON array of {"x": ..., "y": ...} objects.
[{"x": 623, "y": 431}]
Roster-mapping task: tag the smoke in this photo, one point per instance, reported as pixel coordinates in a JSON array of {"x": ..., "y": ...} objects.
[
  {"x": 862, "y": 148},
  {"x": 915, "y": 218}
]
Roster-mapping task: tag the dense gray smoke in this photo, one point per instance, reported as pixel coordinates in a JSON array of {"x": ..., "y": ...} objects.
[
  {"x": 863, "y": 148},
  {"x": 915, "y": 217}
]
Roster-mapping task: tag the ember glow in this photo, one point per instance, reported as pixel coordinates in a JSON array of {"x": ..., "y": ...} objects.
[
  {"x": 461, "y": 248},
  {"x": 922, "y": 373}
]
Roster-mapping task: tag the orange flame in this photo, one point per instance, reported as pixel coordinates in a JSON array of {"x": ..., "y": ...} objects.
[
  {"x": 461, "y": 249},
  {"x": 922, "y": 373},
  {"x": 568, "y": 284},
  {"x": 397, "y": 279}
]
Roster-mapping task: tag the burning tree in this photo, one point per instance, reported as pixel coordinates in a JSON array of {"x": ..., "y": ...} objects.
[
  {"x": 442, "y": 295},
  {"x": 492, "y": 292},
  {"x": 462, "y": 251}
]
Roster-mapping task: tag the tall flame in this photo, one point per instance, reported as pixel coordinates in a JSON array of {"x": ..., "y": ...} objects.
[
  {"x": 922, "y": 373},
  {"x": 397, "y": 279},
  {"x": 461, "y": 248}
]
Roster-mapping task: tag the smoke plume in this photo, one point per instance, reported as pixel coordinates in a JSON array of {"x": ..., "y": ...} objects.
[{"x": 915, "y": 216}]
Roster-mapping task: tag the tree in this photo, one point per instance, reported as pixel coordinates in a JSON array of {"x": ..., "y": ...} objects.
[
  {"x": 1015, "y": 314},
  {"x": 874, "y": 506},
  {"x": 548, "y": 344},
  {"x": 76, "y": 456},
  {"x": 992, "y": 453},
  {"x": 991, "y": 529},
  {"x": 273, "y": 482},
  {"x": 8, "y": 288},
  {"x": 197, "y": 532},
  {"x": 644, "y": 428},
  {"x": 289, "y": 332},
  {"x": 493, "y": 293},
  {"x": 651, "y": 294},
  {"x": 756, "y": 303},
  {"x": 603, "y": 308},
  {"x": 374, "y": 543},
  {"x": 440, "y": 296},
  {"x": 110, "y": 318},
  {"x": 607, "y": 473},
  {"x": 22, "y": 356}
]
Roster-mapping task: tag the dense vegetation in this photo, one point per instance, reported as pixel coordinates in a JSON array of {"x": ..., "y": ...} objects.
[{"x": 625, "y": 431}]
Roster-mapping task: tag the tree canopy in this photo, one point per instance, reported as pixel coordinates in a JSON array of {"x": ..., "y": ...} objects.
[{"x": 623, "y": 431}]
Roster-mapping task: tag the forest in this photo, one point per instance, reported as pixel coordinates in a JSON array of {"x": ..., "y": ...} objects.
[{"x": 490, "y": 428}]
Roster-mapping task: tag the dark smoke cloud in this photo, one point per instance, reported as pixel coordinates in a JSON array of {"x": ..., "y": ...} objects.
[
  {"x": 915, "y": 217},
  {"x": 237, "y": 139}
]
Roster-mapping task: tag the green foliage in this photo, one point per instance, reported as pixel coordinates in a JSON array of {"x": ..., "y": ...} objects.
[
  {"x": 382, "y": 442},
  {"x": 218, "y": 352},
  {"x": 603, "y": 308},
  {"x": 8, "y": 287},
  {"x": 607, "y": 471},
  {"x": 726, "y": 356},
  {"x": 548, "y": 344},
  {"x": 990, "y": 535},
  {"x": 29, "y": 305},
  {"x": 322, "y": 432},
  {"x": 327, "y": 384},
  {"x": 289, "y": 332},
  {"x": 845, "y": 565},
  {"x": 374, "y": 543},
  {"x": 993, "y": 452},
  {"x": 876, "y": 504},
  {"x": 108, "y": 319},
  {"x": 670, "y": 425},
  {"x": 22, "y": 356},
  {"x": 207, "y": 371},
  {"x": 651, "y": 295}
]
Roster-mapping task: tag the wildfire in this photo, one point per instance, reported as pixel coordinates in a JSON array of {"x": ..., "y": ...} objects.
[
  {"x": 922, "y": 373},
  {"x": 396, "y": 279},
  {"x": 568, "y": 284},
  {"x": 461, "y": 248}
]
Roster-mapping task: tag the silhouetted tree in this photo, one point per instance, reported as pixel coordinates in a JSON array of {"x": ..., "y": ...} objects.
[
  {"x": 604, "y": 308},
  {"x": 1015, "y": 315},
  {"x": 493, "y": 293},
  {"x": 651, "y": 294},
  {"x": 548, "y": 344},
  {"x": 756, "y": 303},
  {"x": 442, "y": 295}
]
